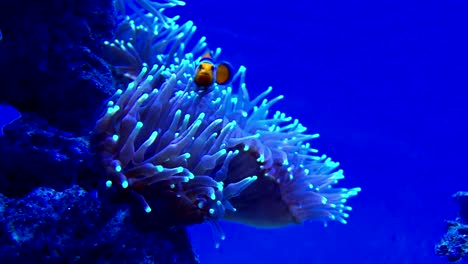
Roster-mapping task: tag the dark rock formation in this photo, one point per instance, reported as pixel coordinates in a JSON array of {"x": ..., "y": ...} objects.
[
  {"x": 454, "y": 244},
  {"x": 73, "y": 226},
  {"x": 50, "y": 212},
  {"x": 50, "y": 60},
  {"x": 34, "y": 154}
]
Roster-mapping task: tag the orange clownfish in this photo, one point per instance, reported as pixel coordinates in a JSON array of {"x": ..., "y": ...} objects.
[{"x": 207, "y": 73}]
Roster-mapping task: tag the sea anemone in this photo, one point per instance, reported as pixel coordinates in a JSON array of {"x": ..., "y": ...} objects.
[
  {"x": 144, "y": 8},
  {"x": 148, "y": 39},
  {"x": 191, "y": 158}
]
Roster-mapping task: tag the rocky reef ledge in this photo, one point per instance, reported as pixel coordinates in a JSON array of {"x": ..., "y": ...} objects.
[
  {"x": 52, "y": 72},
  {"x": 454, "y": 244}
]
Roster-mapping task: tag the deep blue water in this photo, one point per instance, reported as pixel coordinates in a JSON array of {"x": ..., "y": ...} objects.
[{"x": 385, "y": 83}]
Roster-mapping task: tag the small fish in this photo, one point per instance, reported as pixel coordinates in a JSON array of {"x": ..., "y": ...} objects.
[
  {"x": 1, "y": 35},
  {"x": 207, "y": 73}
]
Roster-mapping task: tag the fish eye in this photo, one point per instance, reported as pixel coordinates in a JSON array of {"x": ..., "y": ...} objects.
[{"x": 212, "y": 67}]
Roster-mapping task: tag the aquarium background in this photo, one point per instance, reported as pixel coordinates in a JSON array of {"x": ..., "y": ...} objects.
[{"x": 385, "y": 83}]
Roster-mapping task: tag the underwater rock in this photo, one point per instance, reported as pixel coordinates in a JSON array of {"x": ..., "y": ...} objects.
[
  {"x": 34, "y": 154},
  {"x": 454, "y": 244},
  {"x": 53, "y": 73},
  {"x": 73, "y": 226},
  {"x": 50, "y": 60}
]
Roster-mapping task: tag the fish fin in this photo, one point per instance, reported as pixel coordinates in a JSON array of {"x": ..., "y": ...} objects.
[
  {"x": 207, "y": 56},
  {"x": 223, "y": 73}
]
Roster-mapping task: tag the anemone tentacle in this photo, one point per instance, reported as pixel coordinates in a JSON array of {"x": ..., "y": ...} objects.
[{"x": 218, "y": 155}]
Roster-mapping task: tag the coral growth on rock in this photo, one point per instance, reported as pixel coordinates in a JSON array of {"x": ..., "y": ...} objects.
[
  {"x": 454, "y": 244},
  {"x": 72, "y": 226}
]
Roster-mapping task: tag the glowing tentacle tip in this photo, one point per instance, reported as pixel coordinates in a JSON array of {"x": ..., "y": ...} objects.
[
  {"x": 324, "y": 200},
  {"x": 108, "y": 184},
  {"x": 125, "y": 184},
  {"x": 139, "y": 125},
  {"x": 148, "y": 209},
  {"x": 159, "y": 168}
]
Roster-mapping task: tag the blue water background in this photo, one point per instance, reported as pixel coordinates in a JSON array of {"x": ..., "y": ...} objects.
[{"x": 385, "y": 83}]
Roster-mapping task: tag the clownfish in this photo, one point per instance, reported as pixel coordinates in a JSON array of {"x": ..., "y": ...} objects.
[{"x": 207, "y": 73}]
